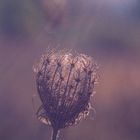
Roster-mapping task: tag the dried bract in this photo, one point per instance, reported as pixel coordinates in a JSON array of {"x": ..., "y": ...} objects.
[{"x": 65, "y": 83}]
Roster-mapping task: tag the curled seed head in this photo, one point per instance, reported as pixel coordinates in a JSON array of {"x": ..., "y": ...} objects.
[{"x": 65, "y": 83}]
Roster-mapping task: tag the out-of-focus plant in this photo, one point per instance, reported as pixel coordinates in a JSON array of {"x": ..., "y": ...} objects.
[{"x": 65, "y": 82}]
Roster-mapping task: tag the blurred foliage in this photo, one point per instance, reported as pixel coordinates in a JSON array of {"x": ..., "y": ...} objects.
[{"x": 101, "y": 24}]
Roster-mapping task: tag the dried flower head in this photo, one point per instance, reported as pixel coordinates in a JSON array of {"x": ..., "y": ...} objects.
[{"x": 65, "y": 83}]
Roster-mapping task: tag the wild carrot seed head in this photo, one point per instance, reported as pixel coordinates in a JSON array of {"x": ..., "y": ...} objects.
[{"x": 65, "y": 83}]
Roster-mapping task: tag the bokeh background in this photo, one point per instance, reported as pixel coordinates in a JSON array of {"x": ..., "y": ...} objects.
[{"x": 108, "y": 30}]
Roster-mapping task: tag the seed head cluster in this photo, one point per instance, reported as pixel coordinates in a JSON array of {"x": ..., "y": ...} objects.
[{"x": 65, "y": 82}]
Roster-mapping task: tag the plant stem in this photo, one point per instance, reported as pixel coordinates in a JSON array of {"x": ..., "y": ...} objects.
[{"x": 55, "y": 134}]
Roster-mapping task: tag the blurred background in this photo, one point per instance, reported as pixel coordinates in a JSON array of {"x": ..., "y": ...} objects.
[{"x": 108, "y": 30}]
